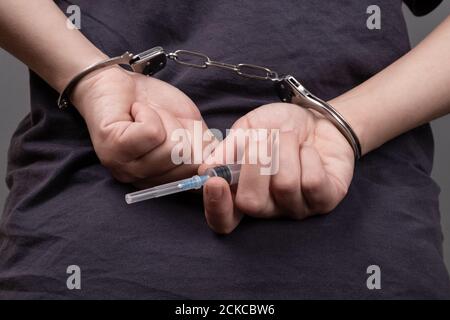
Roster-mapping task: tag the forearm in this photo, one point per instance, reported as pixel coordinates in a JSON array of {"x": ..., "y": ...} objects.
[
  {"x": 36, "y": 33},
  {"x": 412, "y": 91}
]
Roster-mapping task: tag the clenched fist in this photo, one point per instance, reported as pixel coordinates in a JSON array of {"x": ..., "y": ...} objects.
[
  {"x": 130, "y": 118},
  {"x": 315, "y": 170}
]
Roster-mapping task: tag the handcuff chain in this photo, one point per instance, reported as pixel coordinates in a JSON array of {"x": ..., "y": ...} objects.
[{"x": 203, "y": 61}]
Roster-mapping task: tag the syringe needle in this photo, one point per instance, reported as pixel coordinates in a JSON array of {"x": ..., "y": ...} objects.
[
  {"x": 229, "y": 173},
  {"x": 195, "y": 182}
]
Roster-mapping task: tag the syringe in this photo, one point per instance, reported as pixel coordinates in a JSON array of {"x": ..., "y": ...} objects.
[{"x": 229, "y": 172}]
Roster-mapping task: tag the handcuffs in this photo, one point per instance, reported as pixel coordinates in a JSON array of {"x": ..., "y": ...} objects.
[{"x": 288, "y": 88}]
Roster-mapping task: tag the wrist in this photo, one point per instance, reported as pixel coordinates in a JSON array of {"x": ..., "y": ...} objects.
[
  {"x": 357, "y": 119},
  {"x": 87, "y": 88},
  {"x": 68, "y": 69}
]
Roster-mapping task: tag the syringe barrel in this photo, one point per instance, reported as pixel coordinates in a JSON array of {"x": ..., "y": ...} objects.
[{"x": 229, "y": 172}]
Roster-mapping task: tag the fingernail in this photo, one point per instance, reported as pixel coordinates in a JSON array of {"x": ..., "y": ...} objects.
[{"x": 214, "y": 193}]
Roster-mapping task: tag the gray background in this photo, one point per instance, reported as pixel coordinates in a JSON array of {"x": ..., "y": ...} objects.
[{"x": 15, "y": 104}]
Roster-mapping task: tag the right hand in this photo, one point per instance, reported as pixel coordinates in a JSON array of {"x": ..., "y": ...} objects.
[{"x": 130, "y": 118}]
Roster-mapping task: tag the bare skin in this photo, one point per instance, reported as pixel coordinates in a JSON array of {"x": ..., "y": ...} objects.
[{"x": 132, "y": 141}]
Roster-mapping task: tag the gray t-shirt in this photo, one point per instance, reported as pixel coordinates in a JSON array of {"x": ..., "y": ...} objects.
[{"x": 65, "y": 209}]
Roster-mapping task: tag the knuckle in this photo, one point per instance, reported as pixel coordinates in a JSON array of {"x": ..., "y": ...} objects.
[
  {"x": 155, "y": 134},
  {"x": 323, "y": 207},
  {"x": 249, "y": 204},
  {"x": 285, "y": 186},
  {"x": 312, "y": 185}
]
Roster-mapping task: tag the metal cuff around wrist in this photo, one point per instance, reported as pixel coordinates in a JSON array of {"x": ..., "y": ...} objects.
[
  {"x": 290, "y": 90},
  {"x": 64, "y": 98},
  {"x": 147, "y": 63}
]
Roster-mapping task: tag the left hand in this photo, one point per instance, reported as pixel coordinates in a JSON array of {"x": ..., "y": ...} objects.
[{"x": 315, "y": 170}]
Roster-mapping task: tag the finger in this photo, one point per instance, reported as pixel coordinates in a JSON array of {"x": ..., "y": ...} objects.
[
  {"x": 139, "y": 137},
  {"x": 218, "y": 202},
  {"x": 253, "y": 195},
  {"x": 321, "y": 191},
  {"x": 286, "y": 183}
]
